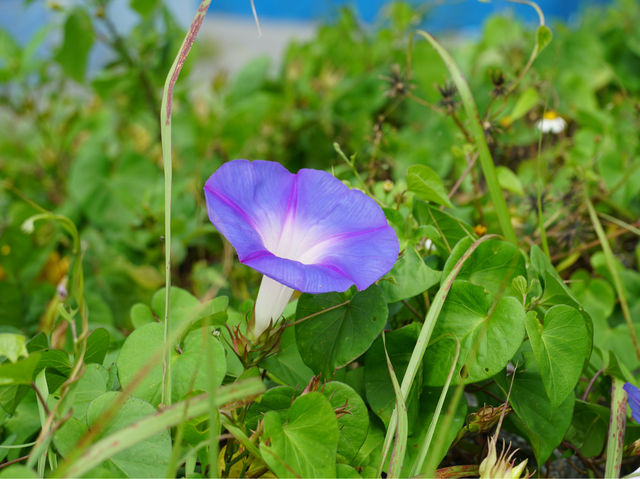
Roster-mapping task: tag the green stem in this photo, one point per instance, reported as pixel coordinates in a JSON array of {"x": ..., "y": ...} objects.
[
  {"x": 165, "y": 135},
  {"x": 617, "y": 422},
  {"x": 477, "y": 131}
]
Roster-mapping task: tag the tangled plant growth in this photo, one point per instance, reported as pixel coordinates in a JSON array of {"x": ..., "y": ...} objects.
[{"x": 507, "y": 168}]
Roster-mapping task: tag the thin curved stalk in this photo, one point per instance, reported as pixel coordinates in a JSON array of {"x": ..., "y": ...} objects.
[
  {"x": 165, "y": 135},
  {"x": 425, "y": 335},
  {"x": 477, "y": 132}
]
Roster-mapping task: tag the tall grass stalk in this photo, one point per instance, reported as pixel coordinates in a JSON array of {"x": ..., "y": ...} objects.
[
  {"x": 165, "y": 135},
  {"x": 477, "y": 132}
]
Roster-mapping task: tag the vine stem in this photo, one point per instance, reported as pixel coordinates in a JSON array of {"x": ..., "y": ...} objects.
[{"x": 165, "y": 135}]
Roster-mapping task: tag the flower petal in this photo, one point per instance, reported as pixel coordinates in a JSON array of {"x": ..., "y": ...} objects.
[
  {"x": 308, "y": 278},
  {"x": 633, "y": 393},
  {"x": 247, "y": 203}
]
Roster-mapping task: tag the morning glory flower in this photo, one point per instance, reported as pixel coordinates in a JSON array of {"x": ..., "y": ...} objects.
[
  {"x": 633, "y": 393},
  {"x": 307, "y": 232}
]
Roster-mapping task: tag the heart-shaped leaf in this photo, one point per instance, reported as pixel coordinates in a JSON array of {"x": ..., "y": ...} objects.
[
  {"x": 305, "y": 443},
  {"x": 491, "y": 327},
  {"x": 337, "y": 336},
  {"x": 560, "y": 347}
]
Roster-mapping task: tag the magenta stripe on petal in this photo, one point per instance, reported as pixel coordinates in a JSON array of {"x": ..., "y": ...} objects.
[{"x": 308, "y": 231}]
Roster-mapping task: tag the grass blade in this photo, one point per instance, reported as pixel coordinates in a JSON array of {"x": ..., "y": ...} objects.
[
  {"x": 426, "y": 443},
  {"x": 486, "y": 162},
  {"x": 401, "y": 432}
]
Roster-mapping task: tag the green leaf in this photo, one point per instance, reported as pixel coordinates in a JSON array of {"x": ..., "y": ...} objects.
[
  {"x": 18, "y": 471},
  {"x": 509, "y": 181},
  {"x": 554, "y": 289},
  {"x": 595, "y": 294},
  {"x": 144, "y": 7},
  {"x": 370, "y": 452},
  {"x": 344, "y": 471},
  {"x": 66, "y": 438},
  {"x": 526, "y": 101},
  {"x": 490, "y": 326},
  {"x": 377, "y": 382},
  {"x": 10, "y": 56},
  {"x": 305, "y": 444},
  {"x": 286, "y": 366},
  {"x": 409, "y": 277},
  {"x": 543, "y": 37},
  {"x": 183, "y": 306},
  {"x": 38, "y": 343},
  {"x": 20, "y": 372},
  {"x": 589, "y": 427},
  {"x": 198, "y": 365},
  {"x": 11, "y": 304},
  {"x": 426, "y": 183},
  {"x": 147, "y": 458},
  {"x": 145, "y": 342},
  {"x": 451, "y": 229},
  {"x": 140, "y": 315},
  {"x": 139, "y": 347},
  {"x": 428, "y": 402},
  {"x": 334, "y": 338},
  {"x": 73, "y": 54},
  {"x": 543, "y": 424},
  {"x": 97, "y": 346},
  {"x": 13, "y": 346},
  {"x": 354, "y": 424},
  {"x": 560, "y": 346},
  {"x": 153, "y": 425},
  {"x": 277, "y": 399},
  {"x": 493, "y": 265},
  {"x": 92, "y": 384}
]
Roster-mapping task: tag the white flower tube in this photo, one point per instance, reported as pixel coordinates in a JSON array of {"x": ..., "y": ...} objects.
[{"x": 272, "y": 299}]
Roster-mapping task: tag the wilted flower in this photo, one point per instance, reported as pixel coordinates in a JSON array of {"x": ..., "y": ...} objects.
[
  {"x": 633, "y": 393},
  {"x": 305, "y": 232},
  {"x": 551, "y": 122},
  {"x": 486, "y": 417},
  {"x": 503, "y": 466}
]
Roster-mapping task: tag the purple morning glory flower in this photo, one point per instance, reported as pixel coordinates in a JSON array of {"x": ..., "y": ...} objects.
[
  {"x": 307, "y": 232},
  {"x": 633, "y": 393}
]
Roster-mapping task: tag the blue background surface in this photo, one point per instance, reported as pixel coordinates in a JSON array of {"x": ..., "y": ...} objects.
[
  {"x": 445, "y": 15},
  {"x": 22, "y": 20}
]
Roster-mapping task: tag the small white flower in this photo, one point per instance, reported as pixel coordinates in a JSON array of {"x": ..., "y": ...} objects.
[{"x": 551, "y": 122}]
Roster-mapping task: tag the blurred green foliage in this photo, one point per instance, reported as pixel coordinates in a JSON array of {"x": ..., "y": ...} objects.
[{"x": 84, "y": 143}]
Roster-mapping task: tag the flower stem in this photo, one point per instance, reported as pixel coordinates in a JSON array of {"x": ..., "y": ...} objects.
[{"x": 165, "y": 135}]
